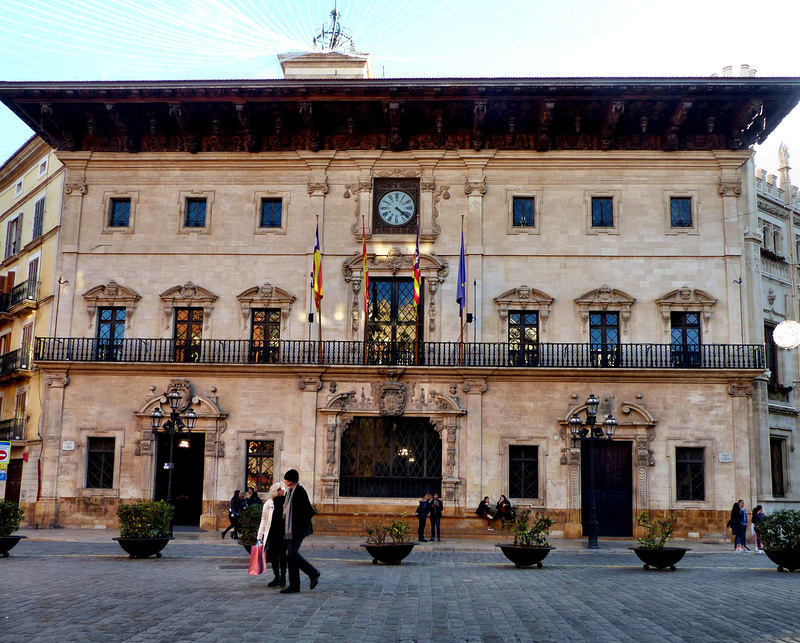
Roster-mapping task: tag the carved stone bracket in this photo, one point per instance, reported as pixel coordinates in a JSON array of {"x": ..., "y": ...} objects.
[
  {"x": 111, "y": 295},
  {"x": 57, "y": 381},
  {"x": 523, "y": 298},
  {"x": 314, "y": 383},
  {"x": 481, "y": 385},
  {"x": 76, "y": 189},
  {"x": 317, "y": 189},
  {"x": 686, "y": 299},
  {"x": 605, "y": 298},
  {"x": 740, "y": 390},
  {"x": 188, "y": 296}
]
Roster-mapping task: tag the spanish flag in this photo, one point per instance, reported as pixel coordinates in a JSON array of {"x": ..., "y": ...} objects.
[
  {"x": 416, "y": 273},
  {"x": 317, "y": 273}
]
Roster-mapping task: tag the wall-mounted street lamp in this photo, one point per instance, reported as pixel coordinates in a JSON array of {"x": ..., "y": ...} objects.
[
  {"x": 174, "y": 425},
  {"x": 591, "y": 432}
]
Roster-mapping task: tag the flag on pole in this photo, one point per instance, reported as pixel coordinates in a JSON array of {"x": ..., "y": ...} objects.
[
  {"x": 461, "y": 289},
  {"x": 317, "y": 273},
  {"x": 416, "y": 273},
  {"x": 364, "y": 270}
]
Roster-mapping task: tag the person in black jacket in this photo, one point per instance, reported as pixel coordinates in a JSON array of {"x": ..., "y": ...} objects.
[
  {"x": 484, "y": 510},
  {"x": 297, "y": 514},
  {"x": 237, "y": 504},
  {"x": 437, "y": 508},
  {"x": 421, "y": 513}
]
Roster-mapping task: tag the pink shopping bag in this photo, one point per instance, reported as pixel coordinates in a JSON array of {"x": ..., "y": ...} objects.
[{"x": 257, "y": 562}]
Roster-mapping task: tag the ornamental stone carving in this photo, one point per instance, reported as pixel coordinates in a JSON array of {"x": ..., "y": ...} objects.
[
  {"x": 188, "y": 296},
  {"x": 523, "y": 298},
  {"x": 266, "y": 296},
  {"x": 686, "y": 299},
  {"x": 392, "y": 398},
  {"x": 607, "y": 299},
  {"x": 110, "y": 295}
]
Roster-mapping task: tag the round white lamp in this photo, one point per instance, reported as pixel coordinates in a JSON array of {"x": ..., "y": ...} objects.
[{"x": 787, "y": 334}]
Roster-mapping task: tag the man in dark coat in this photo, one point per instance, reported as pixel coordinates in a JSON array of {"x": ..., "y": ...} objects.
[
  {"x": 437, "y": 508},
  {"x": 297, "y": 514}
]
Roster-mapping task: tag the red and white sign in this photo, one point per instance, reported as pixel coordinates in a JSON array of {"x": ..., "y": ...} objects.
[{"x": 5, "y": 454}]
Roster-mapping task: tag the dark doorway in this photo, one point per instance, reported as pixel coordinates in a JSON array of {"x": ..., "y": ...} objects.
[
  {"x": 613, "y": 481},
  {"x": 187, "y": 476},
  {"x": 14, "y": 480}
]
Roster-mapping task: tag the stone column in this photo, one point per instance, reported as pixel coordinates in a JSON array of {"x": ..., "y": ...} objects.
[
  {"x": 471, "y": 451},
  {"x": 310, "y": 384},
  {"x": 47, "y": 507}
]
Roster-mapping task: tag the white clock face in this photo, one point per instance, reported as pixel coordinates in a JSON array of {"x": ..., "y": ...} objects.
[{"x": 396, "y": 208}]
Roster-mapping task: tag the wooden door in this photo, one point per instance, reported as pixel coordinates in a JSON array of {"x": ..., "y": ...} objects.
[{"x": 613, "y": 479}]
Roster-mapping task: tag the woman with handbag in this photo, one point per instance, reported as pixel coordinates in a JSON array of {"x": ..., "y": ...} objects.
[{"x": 271, "y": 530}]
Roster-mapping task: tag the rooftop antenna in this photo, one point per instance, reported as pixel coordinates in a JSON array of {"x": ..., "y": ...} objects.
[{"x": 333, "y": 37}]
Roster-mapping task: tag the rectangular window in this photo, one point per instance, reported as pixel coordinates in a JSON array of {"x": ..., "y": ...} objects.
[
  {"x": 602, "y": 212},
  {"x": 38, "y": 218},
  {"x": 13, "y": 236},
  {"x": 265, "y": 335},
  {"x": 680, "y": 211},
  {"x": 776, "y": 451},
  {"x": 771, "y": 353},
  {"x": 18, "y": 188},
  {"x": 100, "y": 463},
  {"x": 195, "y": 213},
  {"x": 604, "y": 338},
  {"x": 110, "y": 333},
  {"x": 42, "y": 168},
  {"x": 119, "y": 213},
  {"x": 27, "y": 344},
  {"x": 523, "y": 337},
  {"x": 523, "y": 212},
  {"x": 523, "y": 471},
  {"x": 690, "y": 473},
  {"x": 188, "y": 334},
  {"x": 685, "y": 339},
  {"x": 271, "y": 213},
  {"x": 260, "y": 464},
  {"x": 33, "y": 279}
]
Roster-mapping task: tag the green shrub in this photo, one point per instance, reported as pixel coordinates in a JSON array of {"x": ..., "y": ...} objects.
[
  {"x": 395, "y": 528},
  {"x": 249, "y": 521},
  {"x": 781, "y": 530},
  {"x": 659, "y": 531},
  {"x": 10, "y": 516},
  {"x": 146, "y": 519},
  {"x": 527, "y": 534}
]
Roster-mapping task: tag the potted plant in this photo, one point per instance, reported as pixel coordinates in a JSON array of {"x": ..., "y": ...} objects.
[
  {"x": 144, "y": 528},
  {"x": 652, "y": 549},
  {"x": 780, "y": 538},
  {"x": 394, "y": 529},
  {"x": 249, "y": 521},
  {"x": 10, "y": 516},
  {"x": 530, "y": 544}
]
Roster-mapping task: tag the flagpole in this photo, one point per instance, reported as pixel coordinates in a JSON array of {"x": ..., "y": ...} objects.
[
  {"x": 318, "y": 294},
  {"x": 365, "y": 284},
  {"x": 462, "y": 275}
]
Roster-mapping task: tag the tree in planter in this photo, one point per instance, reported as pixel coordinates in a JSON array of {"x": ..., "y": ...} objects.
[
  {"x": 395, "y": 528},
  {"x": 780, "y": 538},
  {"x": 10, "y": 517},
  {"x": 249, "y": 521},
  {"x": 659, "y": 530},
  {"x": 530, "y": 535},
  {"x": 146, "y": 519}
]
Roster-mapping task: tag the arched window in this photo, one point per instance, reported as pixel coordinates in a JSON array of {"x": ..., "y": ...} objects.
[{"x": 390, "y": 457}]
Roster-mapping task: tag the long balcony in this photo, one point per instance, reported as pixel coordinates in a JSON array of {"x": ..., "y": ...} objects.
[
  {"x": 13, "y": 429},
  {"x": 212, "y": 351}
]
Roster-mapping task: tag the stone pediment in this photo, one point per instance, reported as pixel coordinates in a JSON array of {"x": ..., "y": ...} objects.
[
  {"x": 686, "y": 299},
  {"x": 111, "y": 295},
  {"x": 524, "y": 298},
  {"x": 605, "y": 298},
  {"x": 190, "y": 296},
  {"x": 266, "y": 296}
]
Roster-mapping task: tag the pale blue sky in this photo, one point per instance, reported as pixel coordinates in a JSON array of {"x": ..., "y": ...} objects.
[{"x": 223, "y": 39}]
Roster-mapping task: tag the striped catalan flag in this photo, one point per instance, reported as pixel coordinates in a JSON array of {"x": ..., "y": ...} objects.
[
  {"x": 416, "y": 273},
  {"x": 317, "y": 273},
  {"x": 364, "y": 270}
]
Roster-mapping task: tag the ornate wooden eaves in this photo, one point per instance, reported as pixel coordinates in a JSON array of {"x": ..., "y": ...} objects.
[{"x": 411, "y": 114}]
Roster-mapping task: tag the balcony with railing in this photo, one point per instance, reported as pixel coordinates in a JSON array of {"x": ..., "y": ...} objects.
[
  {"x": 13, "y": 429},
  {"x": 434, "y": 354},
  {"x": 21, "y": 297},
  {"x": 14, "y": 361}
]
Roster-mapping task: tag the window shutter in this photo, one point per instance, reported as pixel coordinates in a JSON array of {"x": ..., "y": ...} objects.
[{"x": 17, "y": 244}]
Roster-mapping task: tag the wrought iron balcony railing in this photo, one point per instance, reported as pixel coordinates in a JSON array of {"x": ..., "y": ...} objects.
[
  {"x": 233, "y": 351},
  {"x": 13, "y": 429},
  {"x": 26, "y": 291},
  {"x": 15, "y": 360}
]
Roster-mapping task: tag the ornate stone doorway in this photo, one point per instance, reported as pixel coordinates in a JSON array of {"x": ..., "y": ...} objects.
[{"x": 613, "y": 480}]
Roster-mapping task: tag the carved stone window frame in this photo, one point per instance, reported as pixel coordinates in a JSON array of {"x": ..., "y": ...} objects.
[
  {"x": 541, "y": 444},
  {"x": 667, "y": 196},
  {"x": 709, "y": 452},
  {"x": 522, "y": 298},
  {"x": 266, "y": 296},
  {"x": 183, "y": 198},
  {"x": 111, "y": 295},
  {"x": 605, "y": 299},
  {"x": 285, "y": 198},
  {"x": 687, "y": 299},
  {"x": 188, "y": 296},
  {"x": 536, "y": 195},
  {"x": 133, "y": 196},
  {"x": 82, "y": 451},
  {"x": 616, "y": 210}
]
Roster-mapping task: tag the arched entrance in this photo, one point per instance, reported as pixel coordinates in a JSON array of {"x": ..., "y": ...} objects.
[{"x": 390, "y": 457}]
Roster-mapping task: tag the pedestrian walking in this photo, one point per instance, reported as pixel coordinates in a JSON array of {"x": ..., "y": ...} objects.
[
  {"x": 236, "y": 506},
  {"x": 484, "y": 510},
  {"x": 738, "y": 525},
  {"x": 271, "y": 531},
  {"x": 297, "y": 515},
  {"x": 423, "y": 509},
  {"x": 744, "y": 526},
  {"x": 437, "y": 508},
  {"x": 757, "y": 518}
]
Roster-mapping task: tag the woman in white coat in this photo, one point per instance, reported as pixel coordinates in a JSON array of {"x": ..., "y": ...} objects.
[{"x": 270, "y": 533}]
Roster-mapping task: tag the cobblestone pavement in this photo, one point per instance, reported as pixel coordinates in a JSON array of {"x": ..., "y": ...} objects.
[{"x": 90, "y": 591}]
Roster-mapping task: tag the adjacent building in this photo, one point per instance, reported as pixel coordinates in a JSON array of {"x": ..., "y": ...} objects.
[{"x": 611, "y": 237}]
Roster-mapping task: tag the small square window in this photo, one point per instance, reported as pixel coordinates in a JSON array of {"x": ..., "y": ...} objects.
[
  {"x": 523, "y": 212},
  {"x": 119, "y": 214},
  {"x": 18, "y": 188},
  {"x": 602, "y": 212},
  {"x": 271, "y": 213},
  {"x": 680, "y": 211},
  {"x": 42, "y": 168},
  {"x": 195, "y": 216}
]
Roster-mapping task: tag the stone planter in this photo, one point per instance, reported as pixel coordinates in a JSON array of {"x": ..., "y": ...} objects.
[
  {"x": 143, "y": 547},
  {"x": 788, "y": 560},
  {"x": 7, "y": 543},
  {"x": 525, "y": 556},
  {"x": 391, "y": 554},
  {"x": 660, "y": 558}
]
